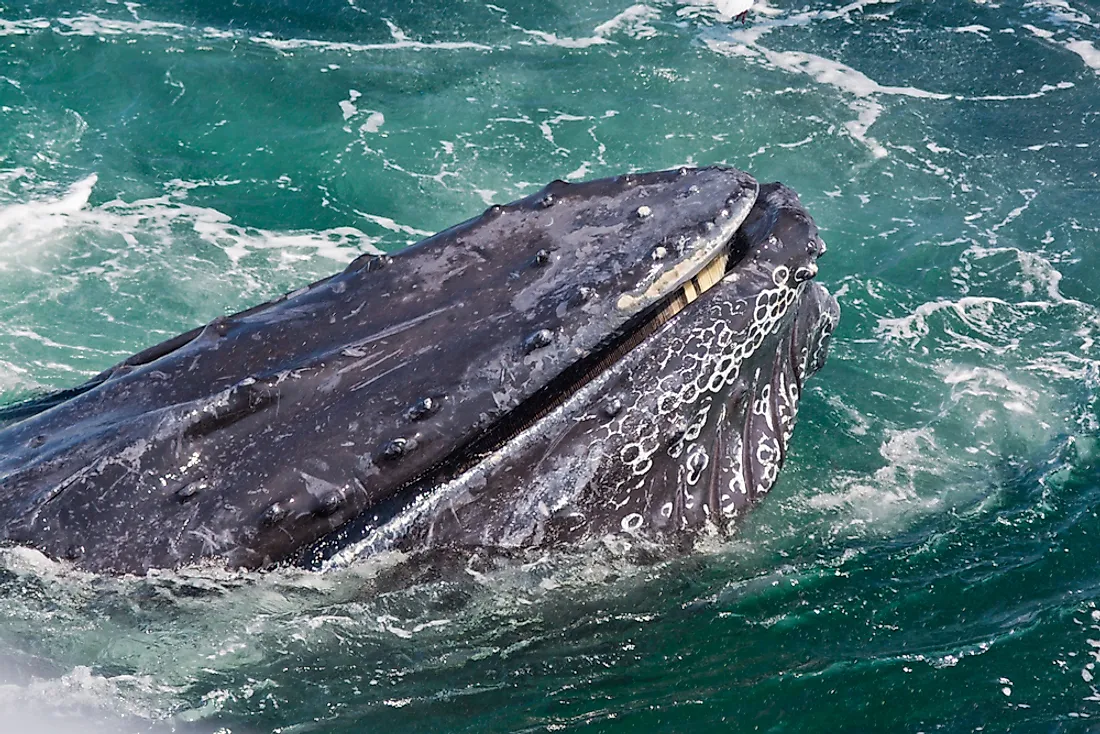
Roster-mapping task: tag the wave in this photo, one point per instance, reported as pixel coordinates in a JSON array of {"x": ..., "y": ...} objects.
[
  {"x": 865, "y": 92},
  {"x": 56, "y": 248}
]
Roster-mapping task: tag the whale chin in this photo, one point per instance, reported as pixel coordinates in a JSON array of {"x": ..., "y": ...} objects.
[{"x": 620, "y": 356}]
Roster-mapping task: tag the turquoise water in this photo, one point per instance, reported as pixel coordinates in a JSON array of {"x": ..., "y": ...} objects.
[{"x": 928, "y": 560}]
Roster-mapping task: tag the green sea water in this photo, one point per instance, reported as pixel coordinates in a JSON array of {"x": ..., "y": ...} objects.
[{"x": 929, "y": 559}]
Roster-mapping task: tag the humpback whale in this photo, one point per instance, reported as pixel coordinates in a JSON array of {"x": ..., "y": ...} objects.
[{"x": 619, "y": 356}]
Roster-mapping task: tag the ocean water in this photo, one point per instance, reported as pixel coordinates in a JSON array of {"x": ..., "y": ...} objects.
[{"x": 928, "y": 561}]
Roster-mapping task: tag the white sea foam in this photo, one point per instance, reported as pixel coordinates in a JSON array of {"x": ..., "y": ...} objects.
[
  {"x": 347, "y": 106},
  {"x": 393, "y": 226},
  {"x": 91, "y": 24},
  {"x": 943, "y": 464},
  {"x": 1043, "y": 91},
  {"x": 374, "y": 118},
  {"x": 1062, "y": 13},
  {"x": 1039, "y": 32},
  {"x": 866, "y": 92},
  {"x": 1037, "y": 272},
  {"x": 543, "y": 38},
  {"x": 976, "y": 29},
  {"x": 842, "y": 76},
  {"x": 547, "y": 129},
  {"x": 969, "y": 383},
  {"x": 119, "y": 244},
  {"x": 823, "y": 71},
  {"x": 1082, "y": 47},
  {"x": 723, "y": 10},
  {"x": 294, "y": 44},
  {"x": 22, "y": 27},
  {"x": 14, "y": 377},
  {"x": 94, "y": 25},
  {"x": 851, "y": 81},
  {"x": 745, "y": 42},
  {"x": 975, "y": 312},
  {"x": 634, "y": 22},
  {"x": 374, "y": 122},
  {"x": 27, "y": 226},
  {"x": 580, "y": 172},
  {"x": 81, "y": 702},
  {"x": 1088, "y": 53},
  {"x": 989, "y": 391},
  {"x": 908, "y": 484},
  {"x": 851, "y": 420}
]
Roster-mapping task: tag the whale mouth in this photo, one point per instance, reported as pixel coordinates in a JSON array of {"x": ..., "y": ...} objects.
[
  {"x": 637, "y": 330},
  {"x": 524, "y": 416},
  {"x": 575, "y": 377},
  {"x": 708, "y": 277}
]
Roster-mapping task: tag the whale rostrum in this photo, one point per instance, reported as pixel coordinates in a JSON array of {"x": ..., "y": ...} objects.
[{"x": 619, "y": 356}]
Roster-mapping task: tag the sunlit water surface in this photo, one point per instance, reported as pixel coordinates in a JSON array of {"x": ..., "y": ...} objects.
[{"x": 928, "y": 561}]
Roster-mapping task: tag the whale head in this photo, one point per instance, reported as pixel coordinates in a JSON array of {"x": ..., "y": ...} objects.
[
  {"x": 678, "y": 424},
  {"x": 622, "y": 355}
]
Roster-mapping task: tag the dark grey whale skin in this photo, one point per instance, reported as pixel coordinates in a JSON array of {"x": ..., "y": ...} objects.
[
  {"x": 686, "y": 431},
  {"x": 331, "y": 416}
]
